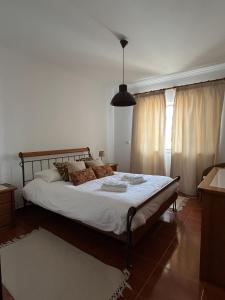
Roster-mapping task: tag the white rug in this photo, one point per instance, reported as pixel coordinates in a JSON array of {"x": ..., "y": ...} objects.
[
  {"x": 181, "y": 202},
  {"x": 41, "y": 266}
]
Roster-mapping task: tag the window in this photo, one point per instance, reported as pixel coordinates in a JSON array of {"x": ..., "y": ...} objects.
[{"x": 170, "y": 96}]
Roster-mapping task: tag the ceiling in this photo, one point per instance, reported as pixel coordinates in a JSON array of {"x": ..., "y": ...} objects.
[{"x": 165, "y": 36}]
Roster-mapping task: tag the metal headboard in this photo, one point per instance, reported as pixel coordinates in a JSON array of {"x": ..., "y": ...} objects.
[{"x": 45, "y": 159}]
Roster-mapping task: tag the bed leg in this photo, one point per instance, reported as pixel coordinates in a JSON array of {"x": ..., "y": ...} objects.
[
  {"x": 175, "y": 206},
  {"x": 129, "y": 251},
  {"x": 129, "y": 244}
]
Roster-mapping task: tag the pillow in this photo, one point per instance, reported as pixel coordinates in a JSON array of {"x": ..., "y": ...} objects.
[
  {"x": 102, "y": 171},
  {"x": 94, "y": 163},
  {"x": 82, "y": 176},
  {"x": 62, "y": 169},
  {"x": 49, "y": 175},
  {"x": 75, "y": 166}
]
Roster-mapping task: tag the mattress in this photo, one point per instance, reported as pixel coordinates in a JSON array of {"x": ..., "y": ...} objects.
[{"x": 103, "y": 210}]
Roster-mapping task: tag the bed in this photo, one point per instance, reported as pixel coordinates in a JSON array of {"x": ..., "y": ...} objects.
[{"x": 124, "y": 216}]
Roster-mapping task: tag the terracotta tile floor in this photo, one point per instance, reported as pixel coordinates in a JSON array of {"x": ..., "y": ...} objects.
[{"x": 166, "y": 261}]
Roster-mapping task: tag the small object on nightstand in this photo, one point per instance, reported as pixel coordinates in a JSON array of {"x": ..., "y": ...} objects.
[
  {"x": 7, "y": 205},
  {"x": 113, "y": 166},
  {"x": 101, "y": 154}
]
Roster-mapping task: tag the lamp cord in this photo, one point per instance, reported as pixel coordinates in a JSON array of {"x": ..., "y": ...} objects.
[{"x": 123, "y": 65}]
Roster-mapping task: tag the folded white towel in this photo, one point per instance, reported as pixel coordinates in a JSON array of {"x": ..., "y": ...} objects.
[
  {"x": 133, "y": 178},
  {"x": 137, "y": 181},
  {"x": 112, "y": 185},
  {"x": 113, "y": 182}
]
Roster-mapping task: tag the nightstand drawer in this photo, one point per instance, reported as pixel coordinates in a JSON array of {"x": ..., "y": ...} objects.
[
  {"x": 5, "y": 220},
  {"x": 5, "y": 208},
  {"x": 5, "y": 197}
]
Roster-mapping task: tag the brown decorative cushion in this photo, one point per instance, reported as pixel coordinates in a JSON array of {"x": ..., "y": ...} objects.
[
  {"x": 75, "y": 166},
  {"x": 102, "y": 171},
  {"x": 62, "y": 169},
  {"x": 82, "y": 176}
]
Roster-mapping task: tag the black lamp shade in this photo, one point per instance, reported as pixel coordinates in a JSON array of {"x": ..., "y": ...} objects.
[{"x": 123, "y": 98}]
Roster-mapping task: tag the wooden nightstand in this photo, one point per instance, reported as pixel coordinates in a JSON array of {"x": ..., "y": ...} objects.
[
  {"x": 7, "y": 206},
  {"x": 113, "y": 166}
]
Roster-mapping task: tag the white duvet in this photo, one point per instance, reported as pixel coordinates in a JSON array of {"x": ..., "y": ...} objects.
[{"x": 104, "y": 210}]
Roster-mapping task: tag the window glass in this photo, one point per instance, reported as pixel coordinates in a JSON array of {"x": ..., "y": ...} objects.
[{"x": 170, "y": 95}]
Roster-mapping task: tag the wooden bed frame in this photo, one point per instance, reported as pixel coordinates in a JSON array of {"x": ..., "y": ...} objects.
[{"x": 45, "y": 159}]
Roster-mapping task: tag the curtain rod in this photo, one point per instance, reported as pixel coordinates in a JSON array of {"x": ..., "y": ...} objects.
[{"x": 178, "y": 86}]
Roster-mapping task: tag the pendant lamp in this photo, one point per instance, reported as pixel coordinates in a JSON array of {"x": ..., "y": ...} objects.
[{"x": 123, "y": 98}]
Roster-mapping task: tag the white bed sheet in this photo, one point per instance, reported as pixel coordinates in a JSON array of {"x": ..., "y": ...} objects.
[{"x": 106, "y": 211}]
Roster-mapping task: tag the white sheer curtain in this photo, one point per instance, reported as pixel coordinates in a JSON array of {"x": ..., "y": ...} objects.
[
  {"x": 195, "y": 133},
  {"x": 148, "y": 134}
]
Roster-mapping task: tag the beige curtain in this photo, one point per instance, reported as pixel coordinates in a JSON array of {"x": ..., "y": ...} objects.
[
  {"x": 148, "y": 134},
  {"x": 195, "y": 133}
]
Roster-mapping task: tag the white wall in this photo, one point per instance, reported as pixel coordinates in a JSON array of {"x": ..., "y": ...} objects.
[
  {"x": 45, "y": 107},
  {"x": 122, "y": 136},
  {"x": 123, "y": 116},
  {"x": 1, "y": 129}
]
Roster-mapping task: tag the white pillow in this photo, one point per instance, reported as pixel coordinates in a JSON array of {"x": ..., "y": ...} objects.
[
  {"x": 94, "y": 163},
  {"x": 49, "y": 175},
  {"x": 75, "y": 166}
]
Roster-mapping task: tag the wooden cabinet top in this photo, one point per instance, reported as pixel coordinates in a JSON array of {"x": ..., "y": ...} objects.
[
  {"x": 9, "y": 188},
  {"x": 214, "y": 182}
]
